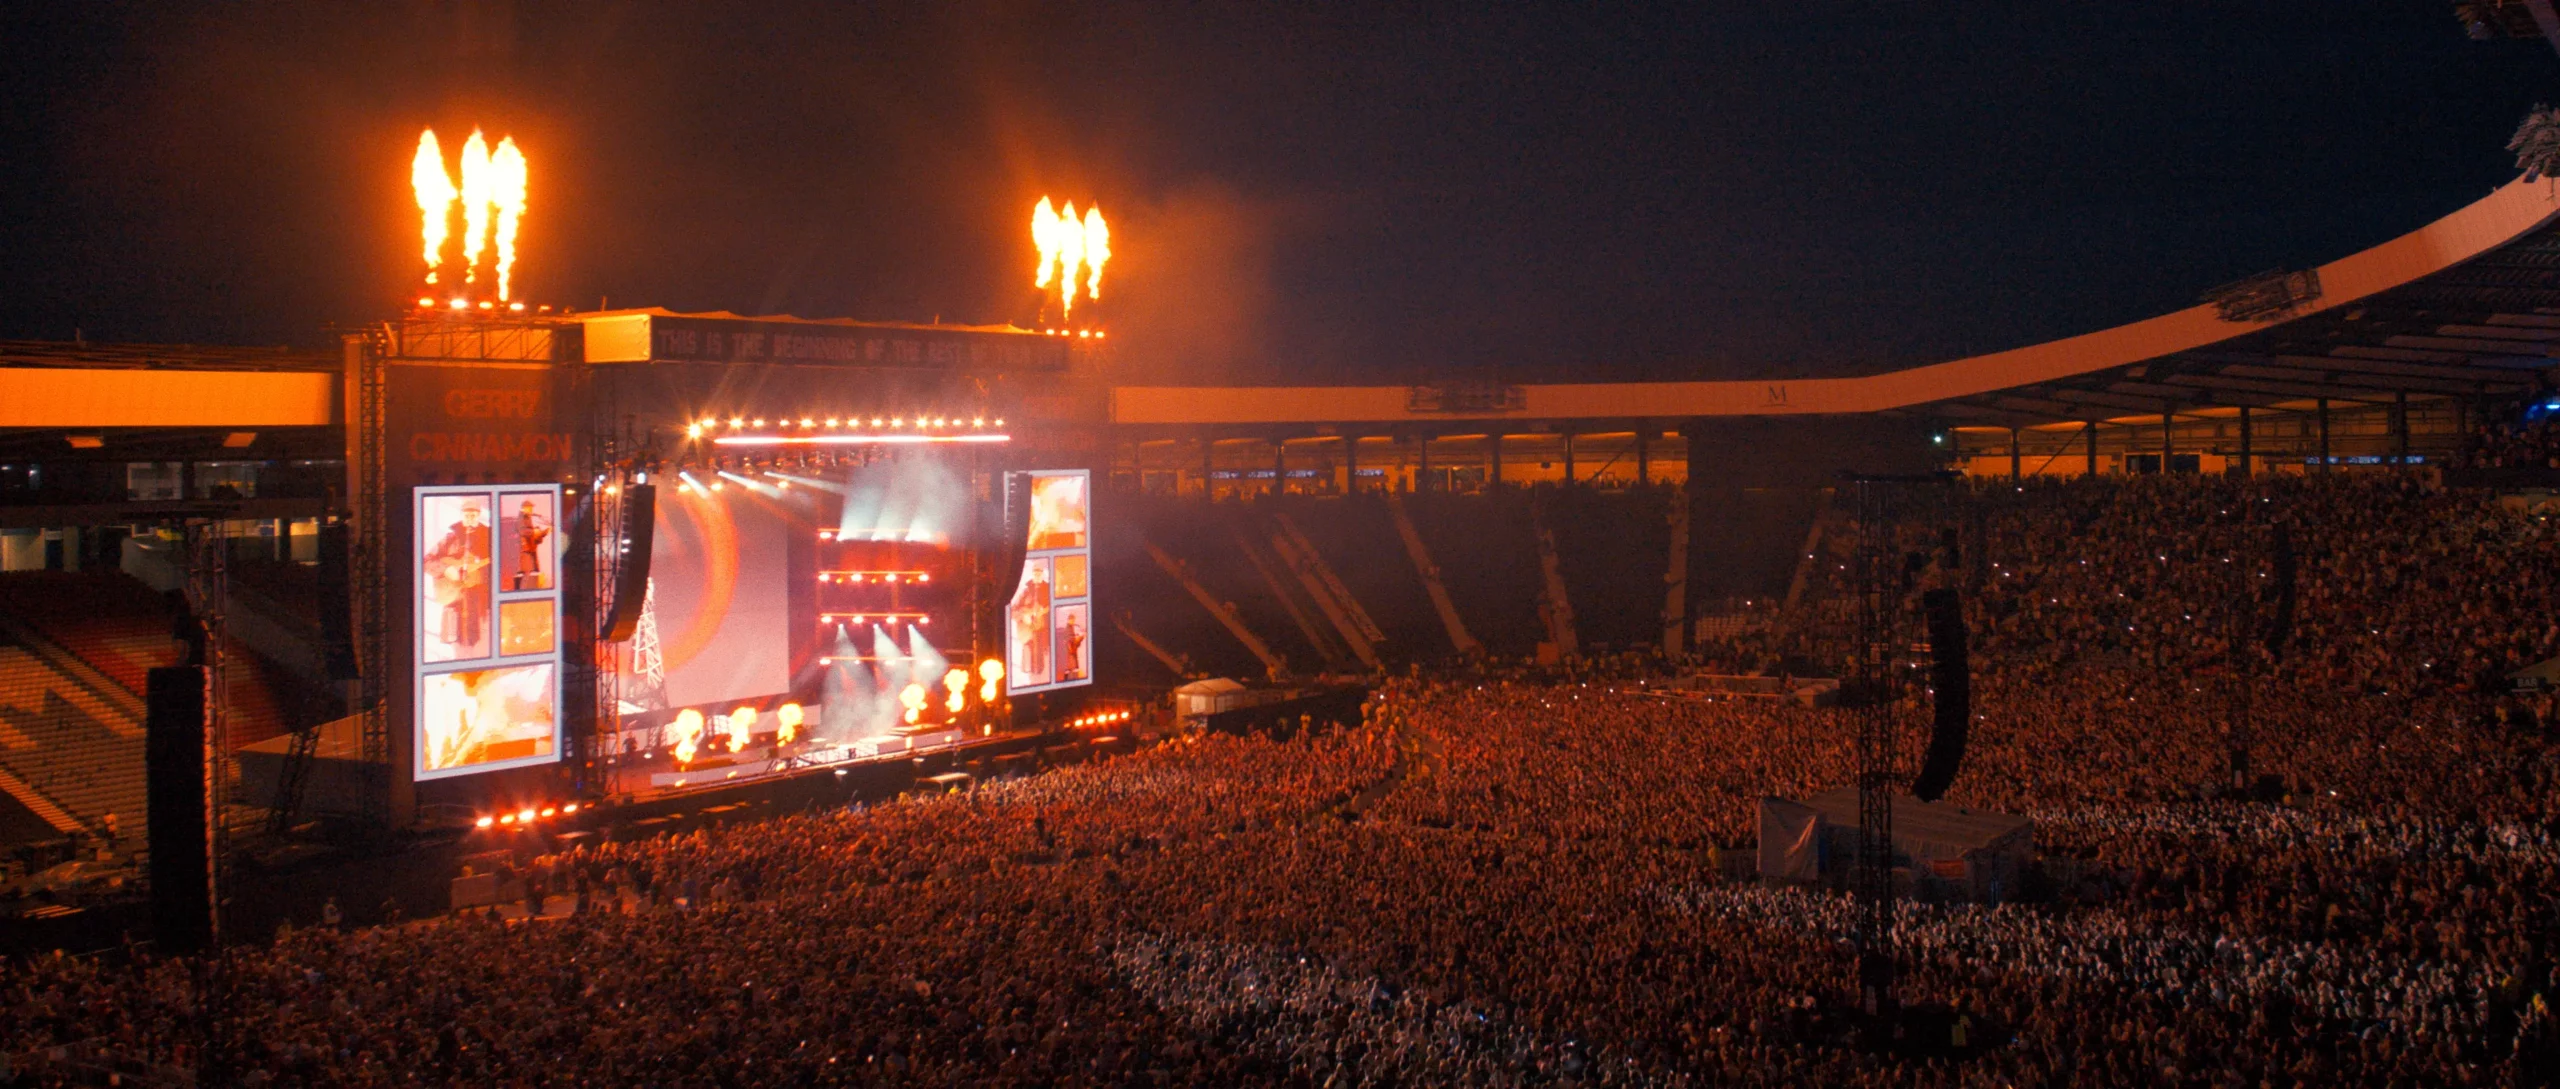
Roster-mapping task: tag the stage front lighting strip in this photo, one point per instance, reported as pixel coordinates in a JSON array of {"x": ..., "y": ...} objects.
[{"x": 850, "y": 440}]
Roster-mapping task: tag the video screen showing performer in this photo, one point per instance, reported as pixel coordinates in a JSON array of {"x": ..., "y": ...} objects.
[
  {"x": 454, "y": 577},
  {"x": 1027, "y": 627},
  {"x": 472, "y": 718},
  {"x": 1049, "y": 623},
  {"x": 528, "y": 521},
  {"x": 1075, "y": 642}
]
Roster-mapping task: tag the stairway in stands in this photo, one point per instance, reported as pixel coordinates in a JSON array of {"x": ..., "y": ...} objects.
[{"x": 78, "y": 748}]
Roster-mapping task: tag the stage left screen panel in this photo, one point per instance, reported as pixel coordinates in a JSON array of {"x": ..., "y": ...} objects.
[{"x": 488, "y": 668}]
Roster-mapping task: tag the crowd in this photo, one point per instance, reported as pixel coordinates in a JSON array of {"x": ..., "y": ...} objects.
[{"x": 2333, "y": 863}]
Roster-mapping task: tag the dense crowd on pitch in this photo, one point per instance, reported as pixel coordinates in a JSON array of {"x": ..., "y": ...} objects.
[{"x": 1513, "y": 878}]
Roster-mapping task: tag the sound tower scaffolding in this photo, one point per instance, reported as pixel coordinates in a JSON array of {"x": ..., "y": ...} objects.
[
  {"x": 371, "y": 577},
  {"x": 592, "y": 681},
  {"x": 1884, "y": 582},
  {"x": 208, "y": 590},
  {"x": 1871, "y": 876}
]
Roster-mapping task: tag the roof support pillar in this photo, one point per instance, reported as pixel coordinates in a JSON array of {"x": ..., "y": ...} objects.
[
  {"x": 1279, "y": 465},
  {"x": 2092, "y": 435},
  {"x": 1208, "y": 466},
  {"x": 2016, "y": 470},
  {"x": 2248, "y": 452},
  {"x": 2168, "y": 433},
  {"x": 2400, "y": 428},
  {"x": 1644, "y": 451},
  {"x": 1568, "y": 457},
  {"x": 1422, "y": 462},
  {"x": 1493, "y": 458},
  {"x": 1351, "y": 464},
  {"x": 2324, "y": 434}
]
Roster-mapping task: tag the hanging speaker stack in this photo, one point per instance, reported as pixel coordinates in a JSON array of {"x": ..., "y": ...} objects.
[
  {"x": 174, "y": 792},
  {"x": 631, "y": 580},
  {"x": 1950, "y": 673}
]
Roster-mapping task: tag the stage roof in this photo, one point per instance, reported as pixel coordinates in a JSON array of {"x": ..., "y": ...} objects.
[{"x": 2469, "y": 304}]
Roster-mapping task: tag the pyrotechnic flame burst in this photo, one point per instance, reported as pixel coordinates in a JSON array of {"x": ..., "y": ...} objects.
[
  {"x": 435, "y": 198},
  {"x": 912, "y": 698},
  {"x": 1072, "y": 251},
  {"x": 688, "y": 731},
  {"x": 490, "y": 197}
]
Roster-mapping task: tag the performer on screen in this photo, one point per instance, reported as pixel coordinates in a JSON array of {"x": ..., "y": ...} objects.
[
  {"x": 459, "y": 568},
  {"x": 1031, "y": 622},
  {"x": 1071, "y": 649},
  {"x": 530, "y": 533}
]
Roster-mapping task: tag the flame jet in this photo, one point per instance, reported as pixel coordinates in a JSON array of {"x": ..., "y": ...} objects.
[
  {"x": 492, "y": 199},
  {"x": 506, "y": 198},
  {"x": 1072, "y": 251},
  {"x": 478, "y": 183},
  {"x": 436, "y": 194}
]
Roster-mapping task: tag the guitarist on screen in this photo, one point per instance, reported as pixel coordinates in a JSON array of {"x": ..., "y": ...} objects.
[
  {"x": 459, "y": 567},
  {"x": 530, "y": 533}
]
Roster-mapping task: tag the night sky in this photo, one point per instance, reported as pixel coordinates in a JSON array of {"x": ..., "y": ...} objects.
[{"x": 1364, "y": 192}]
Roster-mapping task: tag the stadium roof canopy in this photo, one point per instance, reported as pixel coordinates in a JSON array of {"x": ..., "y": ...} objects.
[{"x": 2468, "y": 305}]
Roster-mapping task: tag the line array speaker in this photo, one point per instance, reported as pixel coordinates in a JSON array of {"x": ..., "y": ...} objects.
[
  {"x": 174, "y": 790},
  {"x": 337, "y": 615},
  {"x": 631, "y": 580},
  {"x": 1950, "y": 672}
]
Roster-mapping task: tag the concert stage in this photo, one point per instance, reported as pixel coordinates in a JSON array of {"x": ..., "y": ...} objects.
[{"x": 640, "y": 553}]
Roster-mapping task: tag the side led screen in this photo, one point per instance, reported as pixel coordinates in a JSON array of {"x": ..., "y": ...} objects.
[
  {"x": 1049, "y": 620},
  {"x": 488, "y": 669}
]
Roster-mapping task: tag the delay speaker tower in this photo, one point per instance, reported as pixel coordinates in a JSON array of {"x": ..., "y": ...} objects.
[
  {"x": 175, "y": 792},
  {"x": 1950, "y": 673}
]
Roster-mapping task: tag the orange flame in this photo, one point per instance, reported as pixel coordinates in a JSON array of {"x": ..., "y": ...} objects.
[
  {"x": 477, "y": 184},
  {"x": 688, "y": 735},
  {"x": 992, "y": 672},
  {"x": 1072, "y": 251},
  {"x": 742, "y": 724},
  {"x": 790, "y": 716},
  {"x": 1097, "y": 250},
  {"x": 958, "y": 682},
  {"x": 912, "y": 697},
  {"x": 506, "y": 196},
  {"x": 492, "y": 199},
  {"x": 435, "y": 195}
]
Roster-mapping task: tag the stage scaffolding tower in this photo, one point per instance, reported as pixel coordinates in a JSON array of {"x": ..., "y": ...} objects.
[
  {"x": 1882, "y": 656},
  {"x": 370, "y": 577},
  {"x": 1873, "y": 695},
  {"x": 615, "y": 461}
]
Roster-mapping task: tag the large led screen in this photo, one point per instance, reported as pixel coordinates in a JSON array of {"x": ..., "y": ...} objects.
[
  {"x": 488, "y": 676},
  {"x": 716, "y": 628},
  {"x": 1049, "y": 620}
]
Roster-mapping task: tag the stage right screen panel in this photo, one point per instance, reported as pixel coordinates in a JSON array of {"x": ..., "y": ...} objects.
[{"x": 1049, "y": 620}]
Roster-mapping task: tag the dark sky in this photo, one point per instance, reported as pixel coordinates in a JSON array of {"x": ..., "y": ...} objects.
[{"x": 1349, "y": 191}]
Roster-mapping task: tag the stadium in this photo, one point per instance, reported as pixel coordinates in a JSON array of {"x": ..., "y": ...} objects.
[{"x": 523, "y": 694}]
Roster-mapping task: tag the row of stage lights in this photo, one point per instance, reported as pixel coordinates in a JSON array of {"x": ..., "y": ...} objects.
[
  {"x": 918, "y": 619},
  {"x": 1104, "y": 719},
  {"x": 525, "y": 817},
  {"x": 1079, "y": 334},
  {"x": 713, "y": 426},
  {"x": 885, "y": 578},
  {"x": 460, "y": 306}
]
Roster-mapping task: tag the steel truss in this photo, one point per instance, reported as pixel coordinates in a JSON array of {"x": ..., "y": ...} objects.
[
  {"x": 369, "y": 576},
  {"x": 1887, "y": 579},
  {"x": 208, "y": 593}
]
